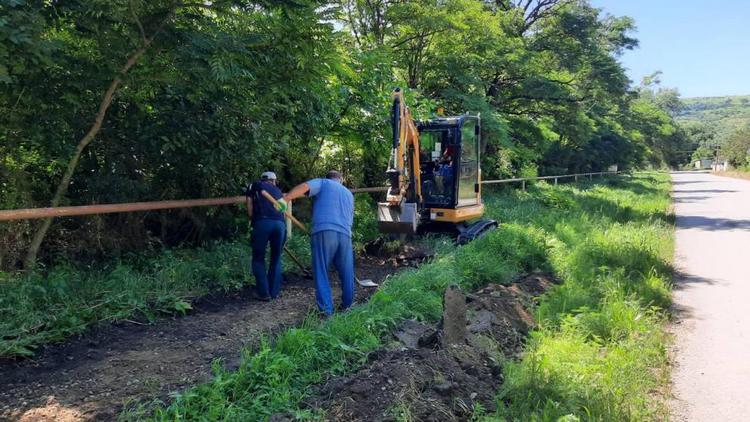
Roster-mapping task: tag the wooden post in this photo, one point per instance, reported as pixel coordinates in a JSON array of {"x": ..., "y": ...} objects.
[
  {"x": 288, "y": 221},
  {"x": 555, "y": 181},
  {"x": 523, "y": 185}
]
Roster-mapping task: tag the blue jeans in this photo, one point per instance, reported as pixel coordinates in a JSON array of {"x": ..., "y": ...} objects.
[
  {"x": 267, "y": 231},
  {"x": 331, "y": 246}
]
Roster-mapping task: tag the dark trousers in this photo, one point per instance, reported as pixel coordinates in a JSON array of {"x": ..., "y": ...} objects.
[
  {"x": 265, "y": 231},
  {"x": 330, "y": 246}
]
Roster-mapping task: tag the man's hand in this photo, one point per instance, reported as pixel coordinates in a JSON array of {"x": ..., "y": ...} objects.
[{"x": 281, "y": 205}]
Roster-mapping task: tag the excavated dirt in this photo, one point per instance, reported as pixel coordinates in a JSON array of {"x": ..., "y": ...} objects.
[
  {"x": 93, "y": 376},
  {"x": 416, "y": 379}
]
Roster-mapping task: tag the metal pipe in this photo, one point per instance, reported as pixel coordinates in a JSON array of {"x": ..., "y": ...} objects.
[{"x": 31, "y": 213}]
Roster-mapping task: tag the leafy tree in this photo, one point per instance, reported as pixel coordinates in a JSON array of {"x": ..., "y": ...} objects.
[
  {"x": 737, "y": 148},
  {"x": 104, "y": 101}
]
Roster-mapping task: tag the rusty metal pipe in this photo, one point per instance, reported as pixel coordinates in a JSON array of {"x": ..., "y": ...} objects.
[{"x": 31, "y": 213}]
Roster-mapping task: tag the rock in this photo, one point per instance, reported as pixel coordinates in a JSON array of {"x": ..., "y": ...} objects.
[
  {"x": 444, "y": 388},
  {"x": 281, "y": 417},
  {"x": 413, "y": 334},
  {"x": 482, "y": 321},
  {"x": 454, "y": 317}
]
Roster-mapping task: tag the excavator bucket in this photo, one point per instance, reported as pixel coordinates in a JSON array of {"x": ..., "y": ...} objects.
[{"x": 397, "y": 219}]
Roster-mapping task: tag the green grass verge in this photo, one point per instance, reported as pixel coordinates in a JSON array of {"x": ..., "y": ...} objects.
[{"x": 597, "y": 354}]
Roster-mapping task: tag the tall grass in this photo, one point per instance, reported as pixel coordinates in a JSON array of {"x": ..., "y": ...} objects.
[
  {"x": 40, "y": 308},
  {"x": 597, "y": 352}
]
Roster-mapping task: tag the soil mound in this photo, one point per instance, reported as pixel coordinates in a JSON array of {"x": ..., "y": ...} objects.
[
  {"x": 397, "y": 253},
  {"x": 416, "y": 379}
]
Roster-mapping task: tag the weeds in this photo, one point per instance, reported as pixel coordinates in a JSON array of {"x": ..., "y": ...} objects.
[
  {"x": 39, "y": 308},
  {"x": 600, "y": 351}
]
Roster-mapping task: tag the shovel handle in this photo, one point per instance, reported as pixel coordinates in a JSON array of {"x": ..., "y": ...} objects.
[
  {"x": 297, "y": 261},
  {"x": 286, "y": 213}
]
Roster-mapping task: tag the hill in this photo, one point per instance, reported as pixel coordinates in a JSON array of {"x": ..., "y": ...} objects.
[{"x": 724, "y": 113}]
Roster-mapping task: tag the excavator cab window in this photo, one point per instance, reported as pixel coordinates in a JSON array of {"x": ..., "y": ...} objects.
[
  {"x": 469, "y": 163},
  {"x": 438, "y": 166}
]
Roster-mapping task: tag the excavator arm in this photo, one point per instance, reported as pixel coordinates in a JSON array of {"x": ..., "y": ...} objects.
[
  {"x": 400, "y": 211},
  {"x": 404, "y": 166}
]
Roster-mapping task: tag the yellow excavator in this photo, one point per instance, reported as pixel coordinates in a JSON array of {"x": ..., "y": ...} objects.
[{"x": 434, "y": 176}]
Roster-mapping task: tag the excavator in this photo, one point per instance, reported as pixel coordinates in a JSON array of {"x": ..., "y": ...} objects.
[{"x": 434, "y": 176}]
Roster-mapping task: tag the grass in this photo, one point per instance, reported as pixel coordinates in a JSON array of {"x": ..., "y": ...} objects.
[
  {"x": 598, "y": 353},
  {"x": 41, "y": 308},
  {"x": 741, "y": 173},
  {"x": 51, "y": 306}
]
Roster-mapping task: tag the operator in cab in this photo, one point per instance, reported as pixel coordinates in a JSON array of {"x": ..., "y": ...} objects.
[
  {"x": 269, "y": 227},
  {"x": 331, "y": 242}
]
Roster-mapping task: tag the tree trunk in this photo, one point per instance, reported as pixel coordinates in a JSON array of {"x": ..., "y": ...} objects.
[{"x": 62, "y": 187}]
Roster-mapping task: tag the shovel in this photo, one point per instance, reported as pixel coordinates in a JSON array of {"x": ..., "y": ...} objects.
[{"x": 307, "y": 273}]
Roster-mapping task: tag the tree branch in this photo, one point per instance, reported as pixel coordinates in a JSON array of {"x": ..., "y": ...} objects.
[
  {"x": 62, "y": 187},
  {"x": 137, "y": 22}
]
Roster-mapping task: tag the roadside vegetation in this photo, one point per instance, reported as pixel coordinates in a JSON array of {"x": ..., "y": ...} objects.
[
  {"x": 47, "y": 306},
  {"x": 109, "y": 101},
  {"x": 599, "y": 352},
  {"x": 736, "y": 174}
]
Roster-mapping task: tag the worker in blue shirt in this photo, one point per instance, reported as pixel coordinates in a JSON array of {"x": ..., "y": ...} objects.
[
  {"x": 269, "y": 226},
  {"x": 333, "y": 216}
]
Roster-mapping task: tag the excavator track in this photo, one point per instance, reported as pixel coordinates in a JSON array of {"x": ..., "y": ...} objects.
[{"x": 475, "y": 230}]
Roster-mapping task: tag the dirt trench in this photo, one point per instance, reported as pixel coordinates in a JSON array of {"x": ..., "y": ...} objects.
[
  {"x": 93, "y": 376},
  {"x": 417, "y": 378}
]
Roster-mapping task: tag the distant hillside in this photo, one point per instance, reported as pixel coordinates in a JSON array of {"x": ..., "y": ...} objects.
[{"x": 725, "y": 113}]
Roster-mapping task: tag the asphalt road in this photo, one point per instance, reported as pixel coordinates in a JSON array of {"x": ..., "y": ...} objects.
[{"x": 711, "y": 377}]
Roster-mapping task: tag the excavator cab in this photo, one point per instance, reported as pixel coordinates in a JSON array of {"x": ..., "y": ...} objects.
[
  {"x": 450, "y": 163},
  {"x": 435, "y": 175}
]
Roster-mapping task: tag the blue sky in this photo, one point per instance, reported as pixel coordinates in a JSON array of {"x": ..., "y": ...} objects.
[{"x": 701, "y": 46}]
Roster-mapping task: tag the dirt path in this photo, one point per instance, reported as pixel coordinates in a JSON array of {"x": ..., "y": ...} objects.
[
  {"x": 711, "y": 377},
  {"x": 90, "y": 378}
]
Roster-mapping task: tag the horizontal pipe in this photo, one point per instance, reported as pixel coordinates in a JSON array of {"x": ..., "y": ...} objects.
[{"x": 32, "y": 213}]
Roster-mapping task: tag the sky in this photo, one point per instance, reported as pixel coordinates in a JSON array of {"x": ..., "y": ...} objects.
[{"x": 701, "y": 46}]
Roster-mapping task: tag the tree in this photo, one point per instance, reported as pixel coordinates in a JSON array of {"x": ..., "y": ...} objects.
[{"x": 737, "y": 148}]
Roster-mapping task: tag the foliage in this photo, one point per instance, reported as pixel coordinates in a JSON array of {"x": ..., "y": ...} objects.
[
  {"x": 598, "y": 329},
  {"x": 714, "y": 122},
  {"x": 37, "y": 308},
  {"x": 599, "y": 351},
  {"x": 721, "y": 112},
  {"x": 226, "y": 89},
  {"x": 736, "y": 150}
]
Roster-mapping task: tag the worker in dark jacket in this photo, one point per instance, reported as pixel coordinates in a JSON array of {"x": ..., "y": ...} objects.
[
  {"x": 333, "y": 216},
  {"x": 268, "y": 227}
]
